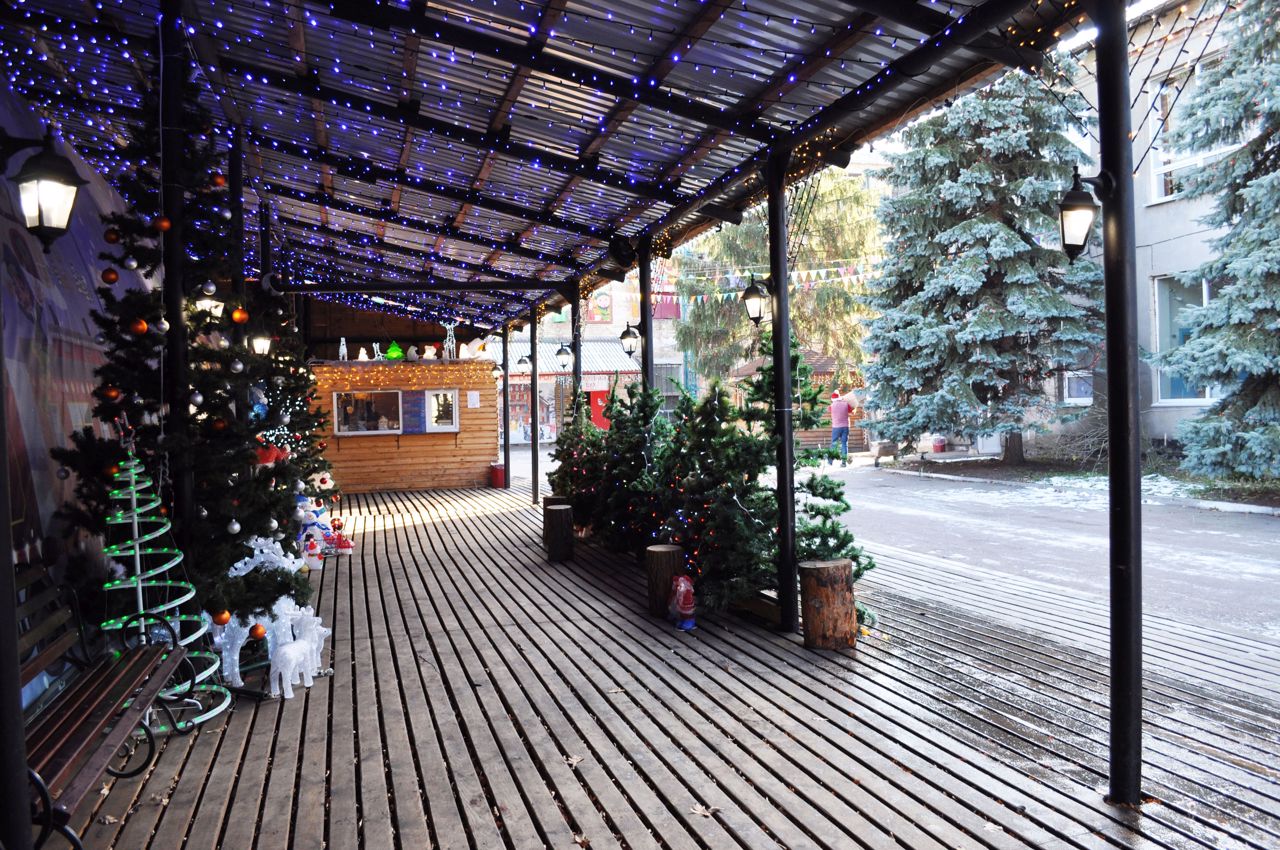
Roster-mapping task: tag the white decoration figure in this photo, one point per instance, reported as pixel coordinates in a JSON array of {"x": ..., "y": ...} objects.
[
  {"x": 235, "y": 635},
  {"x": 290, "y": 662},
  {"x": 363, "y": 355},
  {"x": 450, "y": 349},
  {"x": 429, "y": 352},
  {"x": 377, "y": 351},
  {"x": 313, "y": 553},
  {"x": 342, "y": 348},
  {"x": 412, "y": 354},
  {"x": 476, "y": 347},
  {"x": 310, "y": 629}
]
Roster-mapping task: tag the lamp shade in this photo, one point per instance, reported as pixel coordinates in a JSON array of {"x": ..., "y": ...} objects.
[
  {"x": 1076, "y": 212},
  {"x": 523, "y": 362},
  {"x": 209, "y": 304},
  {"x": 564, "y": 356},
  {"x": 261, "y": 345},
  {"x": 754, "y": 298},
  {"x": 630, "y": 339},
  {"x": 47, "y": 185},
  {"x": 497, "y": 371}
]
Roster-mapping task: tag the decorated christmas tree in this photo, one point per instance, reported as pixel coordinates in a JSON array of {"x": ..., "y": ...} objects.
[
  {"x": 977, "y": 306},
  {"x": 626, "y": 514},
  {"x": 579, "y": 454},
  {"x": 1234, "y": 342}
]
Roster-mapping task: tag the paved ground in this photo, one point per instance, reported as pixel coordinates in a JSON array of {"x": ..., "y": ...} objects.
[{"x": 1205, "y": 567}]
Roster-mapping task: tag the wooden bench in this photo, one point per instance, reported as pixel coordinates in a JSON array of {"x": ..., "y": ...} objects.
[{"x": 84, "y": 724}]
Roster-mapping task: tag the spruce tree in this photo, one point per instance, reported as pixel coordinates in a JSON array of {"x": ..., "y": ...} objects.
[
  {"x": 579, "y": 456},
  {"x": 1234, "y": 344},
  {"x": 977, "y": 305},
  {"x": 626, "y": 510}
]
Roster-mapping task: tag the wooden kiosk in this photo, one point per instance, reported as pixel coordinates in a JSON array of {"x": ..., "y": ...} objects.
[{"x": 396, "y": 425}]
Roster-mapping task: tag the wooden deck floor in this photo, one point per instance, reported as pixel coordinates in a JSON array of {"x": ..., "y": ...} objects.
[{"x": 486, "y": 699}]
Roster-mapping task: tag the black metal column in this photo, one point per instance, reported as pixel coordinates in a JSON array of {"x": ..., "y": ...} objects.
[
  {"x": 235, "y": 203},
  {"x": 645, "y": 254},
  {"x": 173, "y": 78},
  {"x": 15, "y": 820},
  {"x": 1124, "y": 428},
  {"x": 535, "y": 447},
  {"x": 506, "y": 407},
  {"x": 788, "y": 602},
  {"x": 264, "y": 238},
  {"x": 575, "y": 315}
]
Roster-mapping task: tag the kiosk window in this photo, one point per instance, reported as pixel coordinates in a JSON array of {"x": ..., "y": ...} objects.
[
  {"x": 366, "y": 412},
  {"x": 442, "y": 410}
]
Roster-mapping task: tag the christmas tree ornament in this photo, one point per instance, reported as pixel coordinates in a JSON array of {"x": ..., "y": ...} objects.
[
  {"x": 218, "y": 180},
  {"x": 63, "y": 473},
  {"x": 136, "y": 399},
  {"x": 299, "y": 515},
  {"x": 225, "y": 214},
  {"x": 138, "y": 326},
  {"x": 109, "y": 276},
  {"x": 202, "y": 512},
  {"x": 299, "y": 486},
  {"x": 162, "y": 224},
  {"x": 218, "y": 423},
  {"x": 161, "y": 326},
  {"x": 111, "y": 393},
  {"x": 272, "y": 525},
  {"x": 257, "y": 631},
  {"x": 196, "y": 398},
  {"x": 221, "y": 618},
  {"x": 223, "y": 343},
  {"x": 111, "y": 236},
  {"x": 208, "y": 287},
  {"x": 278, "y": 380},
  {"x": 233, "y": 527},
  {"x": 237, "y": 367},
  {"x": 239, "y": 315},
  {"x": 130, "y": 263},
  {"x": 322, "y": 445},
  {"x": 100, "y": 339}
]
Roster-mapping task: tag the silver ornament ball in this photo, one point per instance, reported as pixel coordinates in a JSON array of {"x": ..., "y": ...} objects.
[
  {"x": 202, "y": 512},
  {"x": 197, "y": 399},
  {"x": 299, "y": 486},
  {"x": 130, "y": 263},
  {"x": 233, "y": 527},
  {"x": 299, "y": 514},
  {"x": 63, "y": 473},
  {"x": 208, "y": 287},
  {"x": 237, "y": 366},
  {"x": 224, "y": 343},
  {"x": 162, "y": 326},
  {"x": 272, "y": 525}
]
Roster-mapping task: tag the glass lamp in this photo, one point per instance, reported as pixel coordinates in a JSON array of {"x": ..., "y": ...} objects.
[
  {"x": 1076, "y": 212},
  {"x": 630, "y": 339},
  {"x": 564, "y": 356},
  {"x": 47, "y": 186},
  {"x": 754, "y": 297}
]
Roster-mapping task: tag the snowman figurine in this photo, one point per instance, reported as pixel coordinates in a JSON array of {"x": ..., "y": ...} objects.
[{"x": 312, "y": 553}]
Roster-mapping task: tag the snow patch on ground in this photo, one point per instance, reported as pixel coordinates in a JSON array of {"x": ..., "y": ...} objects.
[{"x": 1153, "y": 486}]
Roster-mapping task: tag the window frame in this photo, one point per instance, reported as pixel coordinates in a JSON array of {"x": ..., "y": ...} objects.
[
  {"x": 1077, "y": 401},
  {"x": 1177, "y": 78},
  {"x": 429, "y": 427},
  {"x": 1207, "y": 395},
  {"x": 338, "y": 432}
]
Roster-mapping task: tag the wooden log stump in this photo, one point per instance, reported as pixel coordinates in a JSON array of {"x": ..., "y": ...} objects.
[
  {"x": 827, "y": 605},
  {"x": 663, "y": 562},
  {"x": 548, "y": 502},
  {"x": 559, "y": 529}
]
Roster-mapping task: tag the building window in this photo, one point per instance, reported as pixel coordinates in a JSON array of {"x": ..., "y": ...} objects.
[
  {"x": 1172, "y": 298},
  {"x": 442, "y": 411},
  {"x": 1173, "y": 167},
  {"x": 366, "y": 413},
  {"x": 1077, "y": 388}
]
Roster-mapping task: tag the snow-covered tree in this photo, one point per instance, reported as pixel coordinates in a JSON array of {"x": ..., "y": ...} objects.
[
  {"x": 977, "y": 305},
  {"x": 1234, "y": 344}
]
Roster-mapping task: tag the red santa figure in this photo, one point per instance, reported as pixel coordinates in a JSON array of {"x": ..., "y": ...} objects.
[{"x": 680, "y": 605}]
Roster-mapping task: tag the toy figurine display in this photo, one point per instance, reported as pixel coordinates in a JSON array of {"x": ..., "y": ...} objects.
[{"x": 680, "y": 605}]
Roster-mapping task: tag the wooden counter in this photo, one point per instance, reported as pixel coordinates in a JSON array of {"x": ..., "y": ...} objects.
[{"x": 412, "y": 459}]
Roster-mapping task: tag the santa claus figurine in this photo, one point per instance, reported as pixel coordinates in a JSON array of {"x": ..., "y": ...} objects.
[
  {"x": 312, "y": 553},
  {"x": 680, "y": 605}
]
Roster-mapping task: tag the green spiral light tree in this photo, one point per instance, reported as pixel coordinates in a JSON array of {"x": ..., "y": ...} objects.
[{"x": 155, "y": 601}]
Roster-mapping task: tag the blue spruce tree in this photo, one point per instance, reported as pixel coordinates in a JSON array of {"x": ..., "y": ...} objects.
[
  {"x": 1234, "y": 344},
  {"x": 977, "y": 305}
]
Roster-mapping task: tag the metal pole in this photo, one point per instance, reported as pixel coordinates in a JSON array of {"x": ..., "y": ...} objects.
[
  {"x": 534, "y": 443},
  {"x": 576, "y": 318},
  {"x": 15, "y": 820},
  {"x": 775, "y": 175},
  {"x": 173, "y": 77},
  {"x": 506, "y": 407},
  {"x": 235, "y": 203},
  {"x": 646, "y": 312},
  {"x": 1123, "y": 426},
  {"x": 264, "y": 237}
]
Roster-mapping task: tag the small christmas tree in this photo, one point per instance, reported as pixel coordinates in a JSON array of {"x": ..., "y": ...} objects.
[
  {"x": 626, "y": 515},
  {"x": 977, "y": 306},
  {"x": 1234, "y": 344},
  {"x": 579, "y": 454}
]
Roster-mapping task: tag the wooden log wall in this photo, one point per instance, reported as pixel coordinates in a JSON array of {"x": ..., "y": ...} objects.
[{"x": 369, "y": 463}]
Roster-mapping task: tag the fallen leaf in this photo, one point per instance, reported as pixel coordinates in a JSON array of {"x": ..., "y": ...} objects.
[
  {"x": 581, "y": 840},
  {"x": 617, "y": 690},
  {"x": 993, "y": 827},
  {"x": 705, "y": 811},
  {"x": 108, "y": 819},
  {"x": 105, "y": 789},
  {"x": 572, "y": 761}
]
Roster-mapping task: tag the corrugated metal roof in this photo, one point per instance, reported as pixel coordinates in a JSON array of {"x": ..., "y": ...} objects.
[{"x": 599, "y": 357}]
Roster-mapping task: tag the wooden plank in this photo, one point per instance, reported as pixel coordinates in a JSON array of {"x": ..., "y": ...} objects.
[
  {"x": 238, "y": 754},
  {"x": 185, "y": 798},
  {"x": 343, "y": 825}
]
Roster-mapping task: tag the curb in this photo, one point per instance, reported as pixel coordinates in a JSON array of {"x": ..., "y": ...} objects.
[{"x": 1202, "y": 504}]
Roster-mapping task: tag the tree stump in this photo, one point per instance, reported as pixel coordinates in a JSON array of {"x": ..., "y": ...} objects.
[
  {"x": 827, "y": 605},
  {"x": 558, "y": 525},
  {"x": 547, "y": 502},
  {"x": 663, "y": 562}
]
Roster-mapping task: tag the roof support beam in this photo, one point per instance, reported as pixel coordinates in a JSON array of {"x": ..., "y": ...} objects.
[
  {"x": 368, "y": 172},
  {"x": 425, "y": 283},
  {"x": 308, "y": 85},
  {"x": 444, "y": 284},
  {"x": 927, "y": 22},
  {"x": 641, "y": 90},
  {"x": 416, "y": 225}
]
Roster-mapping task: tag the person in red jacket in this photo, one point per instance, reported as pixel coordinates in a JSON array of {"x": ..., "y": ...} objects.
[{"x": 841, "y": 407}]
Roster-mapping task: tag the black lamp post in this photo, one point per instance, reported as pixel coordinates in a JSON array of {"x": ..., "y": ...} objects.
[
  {"x": 564, "y": 356},
  {"x": 754, "y": 298},
  {"x": 630, "y": 339},
  {"x": 1076, "y": 213},
  {"x": 47, "y": 185}
]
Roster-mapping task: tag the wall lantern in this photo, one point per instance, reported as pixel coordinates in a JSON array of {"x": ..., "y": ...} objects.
[
  {"x": 523, "y": 362},
  {"x": 47, "y": 185},
  {"x": 564, "y": 356},
  {"x": 261, "y": 345},
  {"x": 754, "y": 298},
  {"x": 497, "y": 371},
  {"x": 630, "y": 339},
  {"x": 1076, "y": 213}
]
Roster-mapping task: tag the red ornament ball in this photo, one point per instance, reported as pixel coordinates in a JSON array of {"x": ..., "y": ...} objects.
[
  {"x": 319, "y": 503},
  {"x": 222, "y": 618},
  {"x": 112, "y": 236},
  {"x": 335, "y": 498},
  {"x": 113, "y": 469},
  {"x": 324, "y": 482},
  {"x": 109, "y": 275},
  {"x": 218, "y": 180},
  {"x": 258, "y": 632},
  {"x": 322, "y": 445},
  {"x": 162, "y": 224},
  {"x": 239, "y": 315},
  {"x": 163, "y": 510},
  {"x": 138, "y": 327},
  {"x": 218, "y": 424},
  {"x": 111, "y": 393}
]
